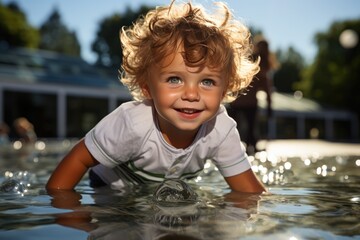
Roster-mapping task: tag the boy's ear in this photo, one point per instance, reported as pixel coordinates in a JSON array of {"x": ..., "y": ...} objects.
[
  {"x": 225, "y": 93},
  {"x": 146, "y": 91}
]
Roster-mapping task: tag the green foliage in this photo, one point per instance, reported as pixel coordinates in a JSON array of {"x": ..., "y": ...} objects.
[
  {"x": 56, "y": 37},
  {"x": 289, "y": 73},
  {"x": 15, "y": 31},
  {"x": 107, "y": 43},
  {"x": 333, "y": 78}
]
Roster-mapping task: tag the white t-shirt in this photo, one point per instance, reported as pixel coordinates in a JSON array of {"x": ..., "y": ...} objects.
[{"x": 130, "y": 147}]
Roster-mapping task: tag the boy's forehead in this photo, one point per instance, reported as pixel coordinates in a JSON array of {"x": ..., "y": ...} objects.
[{"x": 177, "y": 57}]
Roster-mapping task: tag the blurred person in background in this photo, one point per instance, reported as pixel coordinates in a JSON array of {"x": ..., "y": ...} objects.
[
  {"x": 4, "y": 133},
  {"x": 25, "y": 130},
  {"x": 244, "y": 109}
]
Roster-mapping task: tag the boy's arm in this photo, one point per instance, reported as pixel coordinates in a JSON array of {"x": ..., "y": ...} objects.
[
  {"x": 245, "y": 182},
  {"x": 72, "y": 168}
]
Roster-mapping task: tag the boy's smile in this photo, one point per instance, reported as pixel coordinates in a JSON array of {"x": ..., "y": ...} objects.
[
  {"x": 184, "y": 97},
  {"x": 189, "y": 113}
]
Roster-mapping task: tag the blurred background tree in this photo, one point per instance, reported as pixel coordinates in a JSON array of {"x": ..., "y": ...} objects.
[
  {"x": 107, "y": 43},
  {"x": 333, "y": 78},
  {"x": 15, "y": 31},
  {"x": 289, "y": 72},
  {"x": 55, "y": 36}
]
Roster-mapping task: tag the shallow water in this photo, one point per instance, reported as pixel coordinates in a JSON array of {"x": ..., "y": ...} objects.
[{"x": 310, "y": 197}]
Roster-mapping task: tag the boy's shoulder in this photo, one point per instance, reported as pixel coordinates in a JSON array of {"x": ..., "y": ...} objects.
[
  {"x": 137, "y": 114},
  {"x": 223, "y": 119},
  {"x": 136, "y": 106}
]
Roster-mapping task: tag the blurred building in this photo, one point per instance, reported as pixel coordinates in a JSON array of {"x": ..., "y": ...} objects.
[
  {"x": 65, "y": 97},
  {"x": 296, "y": 117},
  {"x": 62, "y": 96}
]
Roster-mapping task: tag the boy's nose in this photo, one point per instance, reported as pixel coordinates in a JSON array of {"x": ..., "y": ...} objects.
[{"x": 190, "y": 93}]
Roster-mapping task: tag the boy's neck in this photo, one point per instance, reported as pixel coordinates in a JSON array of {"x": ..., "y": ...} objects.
[{"x": 179, "y": 139}]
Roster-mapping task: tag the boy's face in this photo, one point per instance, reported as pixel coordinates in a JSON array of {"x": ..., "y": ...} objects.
[{"x": 184, "y": 97}]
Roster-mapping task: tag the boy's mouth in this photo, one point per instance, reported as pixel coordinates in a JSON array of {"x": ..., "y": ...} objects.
[{"x": 188, "y": 110}]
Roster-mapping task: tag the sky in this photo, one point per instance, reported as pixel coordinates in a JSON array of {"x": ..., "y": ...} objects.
[{"x": 284, "y": 23}]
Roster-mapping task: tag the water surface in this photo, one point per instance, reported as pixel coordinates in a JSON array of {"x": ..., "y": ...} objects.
[{"x": 310, "y": 197}]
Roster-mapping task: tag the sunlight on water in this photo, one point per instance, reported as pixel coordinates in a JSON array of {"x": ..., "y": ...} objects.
[{"x": 310, "y": 197}]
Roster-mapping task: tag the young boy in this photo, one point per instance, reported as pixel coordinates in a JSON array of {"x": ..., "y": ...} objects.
[{"x": 180, "y": 64}]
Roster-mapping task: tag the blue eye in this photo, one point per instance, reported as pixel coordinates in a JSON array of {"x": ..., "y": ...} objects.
[
  {"x": 174, "y": 80},
  {"x": 208, "y": 82}
]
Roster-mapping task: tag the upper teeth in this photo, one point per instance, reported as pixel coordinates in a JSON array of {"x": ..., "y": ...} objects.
[{"x": 188, "y": 110}]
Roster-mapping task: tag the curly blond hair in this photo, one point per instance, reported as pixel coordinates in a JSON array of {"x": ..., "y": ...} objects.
[{"x": 214, "y": 40}]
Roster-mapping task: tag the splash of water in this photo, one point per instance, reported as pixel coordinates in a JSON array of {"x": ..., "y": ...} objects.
[
  {"x": 17, "y": 182},
  {"x": 13, "y": 186},
  {"x": 174, "y": 191},
  {"x": 176, "y": 203}
]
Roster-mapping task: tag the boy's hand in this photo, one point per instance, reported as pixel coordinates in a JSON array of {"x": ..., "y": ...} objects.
[{"x": 245, "y": 182}]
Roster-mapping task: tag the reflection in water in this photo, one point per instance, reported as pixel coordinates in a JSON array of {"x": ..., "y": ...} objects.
[
  {"x": 176, "y": 216},
  {"x": 311, "y": 197}
]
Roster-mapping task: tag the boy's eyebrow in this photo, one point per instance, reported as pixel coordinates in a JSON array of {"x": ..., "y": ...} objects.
[{"x": 217, "y": 74}]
